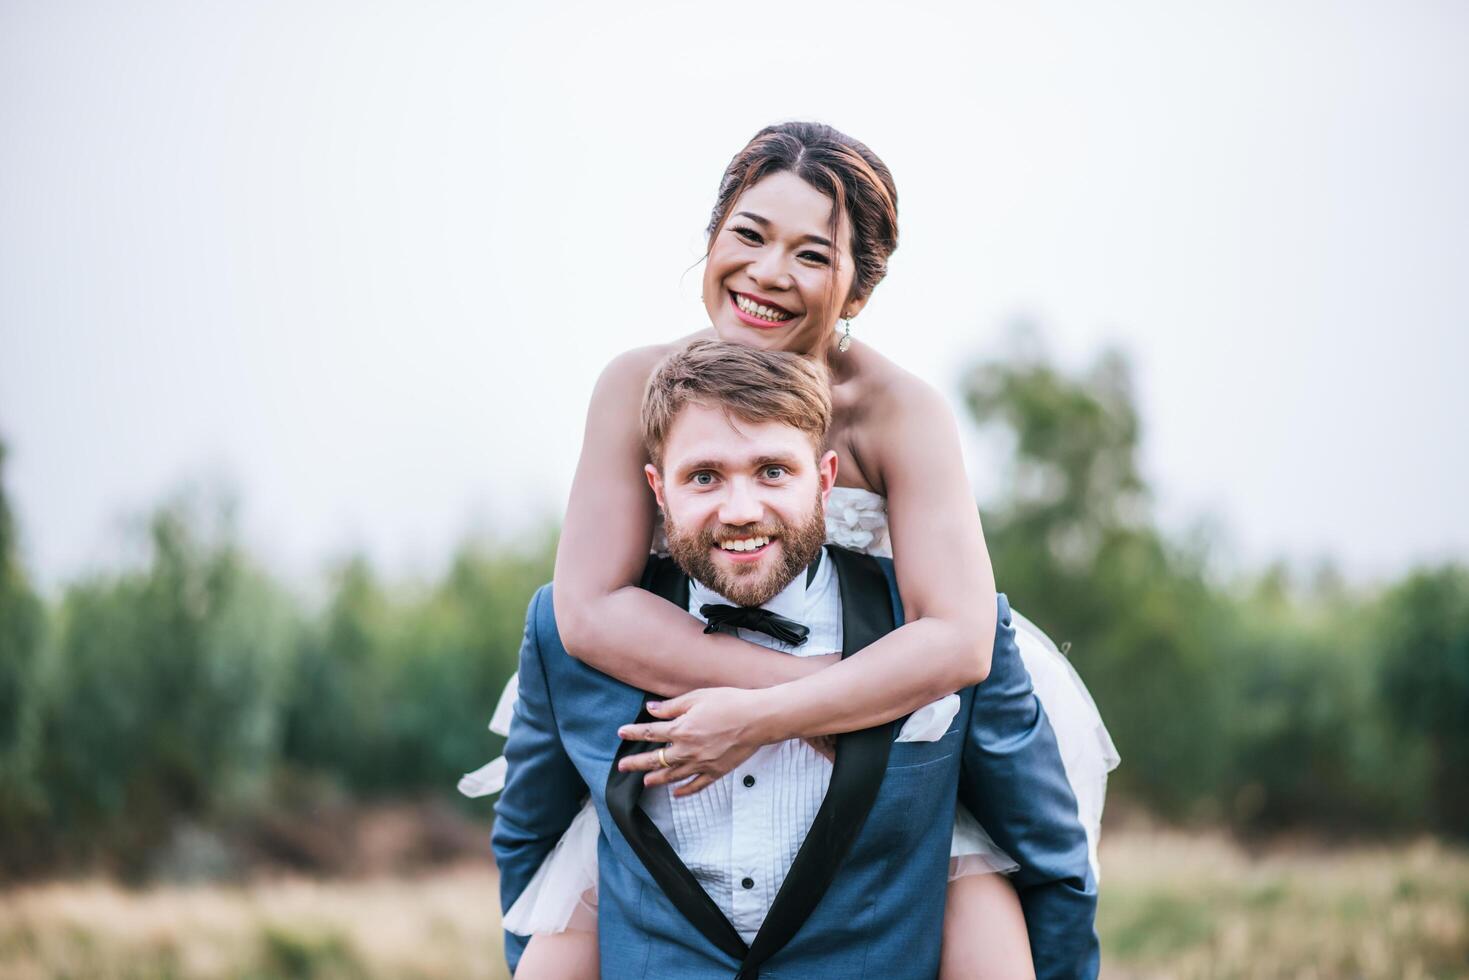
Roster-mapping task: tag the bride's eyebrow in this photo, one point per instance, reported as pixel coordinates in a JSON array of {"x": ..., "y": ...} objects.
[{"x": 765, "y": 223}]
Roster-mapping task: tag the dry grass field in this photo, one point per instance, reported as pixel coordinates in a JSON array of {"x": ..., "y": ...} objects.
[
  {"x": 1203, "y": 907},
  {"x": 1173, "y": 906}
]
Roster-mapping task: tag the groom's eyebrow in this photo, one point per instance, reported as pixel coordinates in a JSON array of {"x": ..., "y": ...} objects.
[
  {"x": 701, "y": 464},
  {"x": 765, "y": 223}
]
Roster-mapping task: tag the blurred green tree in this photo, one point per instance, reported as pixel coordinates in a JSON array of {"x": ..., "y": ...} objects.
[
  {"x": 22, "y": 800},
  {"x": 1424, "y": 635},
  {"x": 391, "y": 693},
  {"x": 1073, "y": 548},
  {"x": 1309, "y": 743},
  {"x": 165, "y": 690}
]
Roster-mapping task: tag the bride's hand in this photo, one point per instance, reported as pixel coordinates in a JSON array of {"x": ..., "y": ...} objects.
[{"x": 709, "y": 732}]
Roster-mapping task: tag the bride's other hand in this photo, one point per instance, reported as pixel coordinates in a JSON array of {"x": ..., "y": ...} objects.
[
  {"x": 709, "y": 732},
  {"x": 825, "y": 745}
]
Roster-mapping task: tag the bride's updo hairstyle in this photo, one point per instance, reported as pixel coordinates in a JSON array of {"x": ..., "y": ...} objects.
[{"x": 841, "y": 168}]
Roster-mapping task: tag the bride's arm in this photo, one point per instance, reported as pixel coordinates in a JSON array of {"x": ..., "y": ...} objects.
[
  {"x": 603, "y": 617},
  {"x": 948, "y": 592},
  {"x": 943, "y": 568}
]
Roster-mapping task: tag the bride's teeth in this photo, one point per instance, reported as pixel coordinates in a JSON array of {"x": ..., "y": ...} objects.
[{"x": 759, "y": 309}]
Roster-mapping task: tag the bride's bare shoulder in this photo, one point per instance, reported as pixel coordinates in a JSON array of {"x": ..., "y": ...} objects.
[
  {"x": 888, "y": 411},
  {"x": 626, "y": 375},
  {"x": 879, "y": 386}
]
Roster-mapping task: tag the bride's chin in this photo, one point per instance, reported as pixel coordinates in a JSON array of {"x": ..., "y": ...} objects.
[{"x": 776, "y": 340}]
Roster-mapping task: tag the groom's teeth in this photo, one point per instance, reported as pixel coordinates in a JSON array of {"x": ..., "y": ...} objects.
[{"x": 744, "y": 544}]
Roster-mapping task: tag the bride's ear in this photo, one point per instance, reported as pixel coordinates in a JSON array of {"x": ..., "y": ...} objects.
[{"x": 655, "y": 480}]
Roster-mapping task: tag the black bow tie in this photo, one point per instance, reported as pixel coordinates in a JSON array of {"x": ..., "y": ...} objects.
[{"x": 753, "y": 618}]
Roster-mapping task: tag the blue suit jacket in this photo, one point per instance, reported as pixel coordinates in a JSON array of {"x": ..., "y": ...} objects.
[{"x": 866, "y": 895}]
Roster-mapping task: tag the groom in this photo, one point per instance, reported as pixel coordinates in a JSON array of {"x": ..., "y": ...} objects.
[{"x": 790, "y": 866}]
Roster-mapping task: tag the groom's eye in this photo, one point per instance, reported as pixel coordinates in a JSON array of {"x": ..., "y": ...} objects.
[
  {"x": 774, "y": 472},
  {"x": 703, "y": 479}
]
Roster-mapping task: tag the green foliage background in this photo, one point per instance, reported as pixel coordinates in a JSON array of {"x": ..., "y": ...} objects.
[{"x": 194, "y": 689}]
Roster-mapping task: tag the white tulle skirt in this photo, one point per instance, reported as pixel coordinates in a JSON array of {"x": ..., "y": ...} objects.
[{"x": 563, "y": 893}]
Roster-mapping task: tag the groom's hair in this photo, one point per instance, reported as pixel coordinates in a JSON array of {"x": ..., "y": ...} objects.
[{"x": 751, "y": 384}]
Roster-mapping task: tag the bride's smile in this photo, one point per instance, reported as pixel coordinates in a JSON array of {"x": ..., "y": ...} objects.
[{"x": 758, "y": 311}]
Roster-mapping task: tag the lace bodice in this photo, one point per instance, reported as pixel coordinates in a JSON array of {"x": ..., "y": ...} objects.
[{"x": 856, "y": 519}]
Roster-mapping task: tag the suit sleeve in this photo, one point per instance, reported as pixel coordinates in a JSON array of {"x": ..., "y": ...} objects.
[
  {"x": 1014, "y": 783},
  {"x": 543, "y": 790}
]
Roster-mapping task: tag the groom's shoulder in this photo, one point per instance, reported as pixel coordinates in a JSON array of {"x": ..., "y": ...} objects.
[
  {"x": 848, "y": 555},
  {"x": 865, "y": 565},
  {"x": 540, "y": 613},
  {"x": 540, "y": 617}
]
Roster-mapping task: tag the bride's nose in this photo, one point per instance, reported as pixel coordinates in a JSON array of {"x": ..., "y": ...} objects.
[{"x": 768, "y": 270}]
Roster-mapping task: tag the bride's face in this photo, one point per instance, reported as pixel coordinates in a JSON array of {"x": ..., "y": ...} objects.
[{"x": 774, "y": 279}]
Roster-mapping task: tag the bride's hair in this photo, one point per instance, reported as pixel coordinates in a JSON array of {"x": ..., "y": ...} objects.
[{"x": 841, "y": 168}]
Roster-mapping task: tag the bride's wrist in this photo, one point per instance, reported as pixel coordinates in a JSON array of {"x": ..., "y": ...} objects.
[{"x": 768, "y": 719}]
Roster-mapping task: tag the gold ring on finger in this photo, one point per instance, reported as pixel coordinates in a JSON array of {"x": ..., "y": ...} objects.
[{"x": 663, "y": 758}]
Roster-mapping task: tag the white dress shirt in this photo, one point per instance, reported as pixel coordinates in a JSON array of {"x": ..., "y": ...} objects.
[{"x": 740, "y": 835}]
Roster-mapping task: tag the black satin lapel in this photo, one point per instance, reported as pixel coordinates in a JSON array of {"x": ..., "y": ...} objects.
[
  {"x": 663, "y": 577},
  {"x": 625, "y": 789},
  {"x": 856, "y": 776}
]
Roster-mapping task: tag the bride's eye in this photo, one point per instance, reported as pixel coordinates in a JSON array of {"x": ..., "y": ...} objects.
[
  {"x": 816, "y": 257},
  {"x": 748, "y": 234}
]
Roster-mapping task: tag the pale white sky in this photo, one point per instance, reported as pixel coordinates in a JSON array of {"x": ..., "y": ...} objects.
[{"x": 362, "y": 261}]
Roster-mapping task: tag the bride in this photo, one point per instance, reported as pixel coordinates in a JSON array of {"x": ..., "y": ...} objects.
[{"x": 800, "y": 234}]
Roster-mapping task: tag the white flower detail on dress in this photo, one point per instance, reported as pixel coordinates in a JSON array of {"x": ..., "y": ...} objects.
[{"x": 858, "y": 519}]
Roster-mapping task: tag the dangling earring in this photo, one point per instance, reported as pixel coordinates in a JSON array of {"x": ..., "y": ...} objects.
[{"x": 846, "y": 341}]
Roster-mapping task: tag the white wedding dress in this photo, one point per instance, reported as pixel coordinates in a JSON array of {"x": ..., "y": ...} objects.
[{"x": 562, "y": 894}]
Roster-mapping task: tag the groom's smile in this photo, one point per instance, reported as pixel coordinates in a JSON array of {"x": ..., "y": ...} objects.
[{"x": 746, "y": 549}]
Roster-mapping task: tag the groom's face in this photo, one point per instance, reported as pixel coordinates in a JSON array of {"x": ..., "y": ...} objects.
[{"x": 743, "y": 502}]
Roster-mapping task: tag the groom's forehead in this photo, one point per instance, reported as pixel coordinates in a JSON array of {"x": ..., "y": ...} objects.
[{"x": 713, "y": 433}]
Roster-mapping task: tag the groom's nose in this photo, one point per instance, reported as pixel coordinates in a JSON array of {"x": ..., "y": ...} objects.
[{"x": 740, "y": 505}]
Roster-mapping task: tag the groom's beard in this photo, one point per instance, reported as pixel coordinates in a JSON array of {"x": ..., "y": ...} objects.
[{"x": 757, "y": 583}]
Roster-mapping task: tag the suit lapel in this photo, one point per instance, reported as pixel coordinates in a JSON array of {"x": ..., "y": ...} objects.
[
  {"x": 861, "y": 761},
  {"x": 856, "y": 776},
  {"x": 625, "y": 789}
]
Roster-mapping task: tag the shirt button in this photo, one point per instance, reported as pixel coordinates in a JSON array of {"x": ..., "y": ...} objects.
[
  {"x": 747, "y": 882},
  {"x": 749, "y": 780}
]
